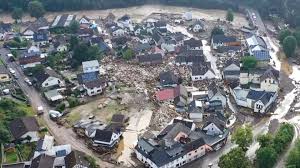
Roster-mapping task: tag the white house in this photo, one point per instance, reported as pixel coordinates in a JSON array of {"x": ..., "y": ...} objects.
[
  {"x": 118, "y": 32},
  {"x": 201, "y": 72},
  {"x": 106, "y": 138},
  {"x": 62, "y": 48},
  {"x": 24, "y": 127},
  {"x": 30, "y": 61},
  {"x": 188, "y": 16},
  {"x": 28, "y": 33},
  {"x": 94, "y": 87},
  {"x": 33, "y": 49},
  {"x": 84, "y": 20},
  {"x": 90, "y": 66},
  {"x": 231, "y": 70},
  {"x": 215, "y": 93},
  {"x": 168, "y": 45},
  {"x": 259, "y": 101},
  {"x": 214, "y": 126},
  {"x": 48, "y": 78},
  {"x": 125, "y": 21},
  {"x": 195, "y": 111}
]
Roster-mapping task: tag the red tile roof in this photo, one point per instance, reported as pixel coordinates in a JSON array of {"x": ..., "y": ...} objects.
[{"x": 166, "y": 94}]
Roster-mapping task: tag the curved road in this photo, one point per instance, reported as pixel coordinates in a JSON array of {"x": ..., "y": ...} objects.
[{"x": 62, "y": 135}]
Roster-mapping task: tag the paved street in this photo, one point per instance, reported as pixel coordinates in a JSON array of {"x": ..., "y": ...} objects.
[{"x": 62, "y": 135}]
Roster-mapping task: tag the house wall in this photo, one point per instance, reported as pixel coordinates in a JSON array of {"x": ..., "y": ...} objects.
[
  {"x": 220, "y": 97},
  {"x": 232, "y": 67},
  {"x": 91, "y": 69},
  {"x": 31, "y": 65},
  {"x": 269, "y": 85},
  {"x": 114, "y": 139},
  {"x": 4, "y": 78},
  {"x": 118, "y": 32},
  {"x": 62, "y": 48},
  {"x": 189, "y": 157},
  {"x": 197, "y": 28},
  {"x": 51, "y": 81},
  {"x": 33, "y": 134},
  {"x": 259, "y": 107},
  {"x": 168, "y": 47},
  {"x": 196, "y": 117},
  {"x": 208, "y": 75},
  {"x": 245, "y": 78},
  {"x": 93, "y": 91},
  {"x": 212, "y": 129}
]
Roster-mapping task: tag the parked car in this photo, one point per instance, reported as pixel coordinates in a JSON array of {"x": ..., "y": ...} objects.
[
  {"x": 12, "y": 71},
  {"x": 28, "y": 81},
  {"x": 40, "y": 110}
]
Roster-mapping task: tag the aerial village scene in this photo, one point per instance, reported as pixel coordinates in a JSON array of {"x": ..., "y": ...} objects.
[{"x": 149, "y": 86}]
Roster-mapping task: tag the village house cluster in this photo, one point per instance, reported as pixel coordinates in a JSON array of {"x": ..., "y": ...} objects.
[{"x": 214, "y": 70}]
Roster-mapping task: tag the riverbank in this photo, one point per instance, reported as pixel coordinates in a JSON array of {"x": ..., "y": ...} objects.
[{"x": 140, "y": 12}]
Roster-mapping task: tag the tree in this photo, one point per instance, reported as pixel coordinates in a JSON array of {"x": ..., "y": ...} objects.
[
  {"x": 234, "y": 159},
  {"x": 243, "y": 137},
  {"x": 83, "y": 52},
  {"x": 74, "y": 26},
  {"x": 229, "y": 15},
  {"x": 266, "y": 157},
  {"x": 249, "y": 62},
  {"x": 73, "y": 42},
  {"x": 265, "y": 140},
  {"x": 283, "y": 34},
  {"x": 217, "y": 31},
  {"x": 289, "y": 46},
  {"x": 293, "y": 157},
  {"x": 36, "y": 9},
  {"x": 17, "y": 14},
  {"x": 128, "y": 54},
  {"x": 296, "y": 34}
]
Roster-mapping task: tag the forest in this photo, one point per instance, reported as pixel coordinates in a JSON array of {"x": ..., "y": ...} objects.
[{"x": 287, "y": 9}]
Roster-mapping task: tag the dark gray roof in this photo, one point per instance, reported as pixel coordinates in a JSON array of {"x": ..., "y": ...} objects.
[
  {"x": 262, "y": 55},
  {"x": 193, "y": 56},
  {"x": 223, "y": 49},
  {"x": 216, "y": 120},
  {"x": 192, "y": 108},
  {"x": 42, "y": 161},
  {"x": 193, "y": 43},
  {"x": 270, "y": 73},
  {"x": 62, "y": 20},
  {"x": 150, "y": 58},
  {"x": 168, "y": 78},
  {"x": 118, "y": 118},
  {"x": 140, "y": 47},
  {"x": 14, "y": 165},
  {"x": 263, "y": 96},
  {"x": 200, "y": 69},
  {"x": 236, "y": 73},
  {"x": 160, "y": 23},
  {"x": 76, "y": 158},
  {"x": 145, "y": 145},
  {"x": 20, "y": 126},
  {"x": 40, "y": 36},
  {"x": 232, "y": 61},
  {"x": 223, "y": 39},
  {"x": 103, "y": 135},
  {"x": 87, "y": 77},
  {"x": 213, "y": 89}
]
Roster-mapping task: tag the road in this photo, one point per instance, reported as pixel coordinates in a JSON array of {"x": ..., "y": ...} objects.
[{"x": 62, "y": 135}]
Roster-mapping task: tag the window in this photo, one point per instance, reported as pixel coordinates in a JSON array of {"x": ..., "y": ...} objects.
[
  {"x": 92, "y": 92},
  {"x": 190, "y": 154},
  {"x": 3, "y": 77},
  {"x": 195, "y": 151}
]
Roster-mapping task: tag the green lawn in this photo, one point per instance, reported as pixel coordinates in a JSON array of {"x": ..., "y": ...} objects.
[
  {"x": 26, "y": 150},
  {"x": 11, "y": 157},
  {"x": 72, "y": 118}
]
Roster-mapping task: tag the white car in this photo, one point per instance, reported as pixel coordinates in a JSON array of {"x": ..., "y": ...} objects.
[
  {"x": 11, "y": 71},
  {"x": 28, "y": 81}
]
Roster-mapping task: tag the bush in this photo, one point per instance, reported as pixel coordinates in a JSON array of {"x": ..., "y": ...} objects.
[
  {"x": 60, "y": 107},
  {"x": 73, "y": 102}
]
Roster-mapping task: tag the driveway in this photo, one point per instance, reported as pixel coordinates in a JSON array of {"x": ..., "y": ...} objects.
[{"x": 62, "y": 135}]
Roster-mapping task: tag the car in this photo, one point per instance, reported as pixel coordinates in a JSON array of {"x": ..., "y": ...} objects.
[
  {"x": 28, "y": 81},
  {"x": 12, "y": 71}
]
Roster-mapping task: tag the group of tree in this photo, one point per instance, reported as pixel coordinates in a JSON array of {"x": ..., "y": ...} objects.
[
  {"x": 229, "y": 15},
  {"x": 217, "y": 31},
  {"x": 289, "y": 41},
  {"x": 9, "y": 110},
  {"x": 84, "y": 52},
  {"x": 249, "y": 62},
  {"x": 272, "y": 146},
  {"x": 35, "y": 9},
  {"x": 293, "y": 159},
  {"x": 236, "y": 158}
]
